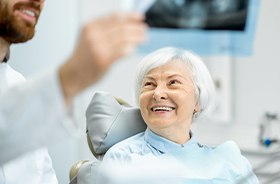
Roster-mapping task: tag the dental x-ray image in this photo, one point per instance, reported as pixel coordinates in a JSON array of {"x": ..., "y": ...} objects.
[{"x": 198, "y": 14}]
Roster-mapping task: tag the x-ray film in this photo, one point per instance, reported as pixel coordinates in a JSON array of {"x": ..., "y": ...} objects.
[
  {"x": 207, "y": 27},
  {"x": 197, "y": 14}
]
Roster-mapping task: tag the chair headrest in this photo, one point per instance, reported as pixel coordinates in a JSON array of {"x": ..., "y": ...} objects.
[{"x": 111, "y": 120}]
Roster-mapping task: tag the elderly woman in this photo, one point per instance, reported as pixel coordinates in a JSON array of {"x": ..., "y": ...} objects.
[{"x": 173, "y": 89}]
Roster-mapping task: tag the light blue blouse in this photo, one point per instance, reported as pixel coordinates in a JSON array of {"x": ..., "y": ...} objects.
[{"x": 199, "y": 163}]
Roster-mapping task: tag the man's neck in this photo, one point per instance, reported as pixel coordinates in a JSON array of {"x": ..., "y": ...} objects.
[{"x": 4, "y": 48}]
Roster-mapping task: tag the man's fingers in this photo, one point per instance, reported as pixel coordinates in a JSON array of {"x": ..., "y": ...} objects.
[
  {"x": 120, "y": 19},
  {"x": 122, "y": 33},
  {"x": 120, "y": 52},
  {"x": 132, "y": 16},
  {"x": 107, "y": 39}
]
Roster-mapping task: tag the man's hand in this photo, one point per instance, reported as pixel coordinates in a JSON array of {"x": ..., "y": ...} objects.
[{"x": 101, "y": 43}]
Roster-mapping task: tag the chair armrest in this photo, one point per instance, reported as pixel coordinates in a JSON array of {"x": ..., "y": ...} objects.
[{"x": 75, "y": 169}]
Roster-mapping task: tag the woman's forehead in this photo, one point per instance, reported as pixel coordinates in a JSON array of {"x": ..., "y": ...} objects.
[{"x": 174, "y": 67}]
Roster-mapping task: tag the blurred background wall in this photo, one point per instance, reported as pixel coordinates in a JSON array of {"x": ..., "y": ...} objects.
[{"x": 254, "y": 79}]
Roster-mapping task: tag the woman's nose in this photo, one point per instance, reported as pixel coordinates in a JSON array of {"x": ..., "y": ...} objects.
[{"x": 160, "y": 93}]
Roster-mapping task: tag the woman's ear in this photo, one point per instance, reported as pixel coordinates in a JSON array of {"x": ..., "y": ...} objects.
[
  {"x": 197, "y": 107},
  {"x": 196, "y": 111}
]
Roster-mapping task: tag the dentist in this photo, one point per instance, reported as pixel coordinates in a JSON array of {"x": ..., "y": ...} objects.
[{"x": 37, "y": 112}]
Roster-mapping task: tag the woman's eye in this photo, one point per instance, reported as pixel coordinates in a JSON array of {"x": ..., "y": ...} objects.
[
  {"x": 173, "y": 82},
  {"x": 148, "y": 84}
]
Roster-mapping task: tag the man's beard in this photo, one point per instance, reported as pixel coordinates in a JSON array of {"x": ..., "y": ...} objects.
[{"x": 11, "y": 29}]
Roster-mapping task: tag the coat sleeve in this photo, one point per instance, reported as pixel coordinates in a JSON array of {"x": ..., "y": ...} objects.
[{"x": 33, "y": 114}]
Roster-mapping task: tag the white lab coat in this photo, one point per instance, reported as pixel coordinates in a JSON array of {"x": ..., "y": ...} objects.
[
  {"x": 34, "y": 167},
  {"x": 33, "y": 114}
]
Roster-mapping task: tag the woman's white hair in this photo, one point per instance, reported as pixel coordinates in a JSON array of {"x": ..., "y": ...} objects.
[{"x": 204, "y": 86}]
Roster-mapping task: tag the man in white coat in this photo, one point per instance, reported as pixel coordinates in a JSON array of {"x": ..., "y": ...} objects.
[
  {"x": 23, "y": 130},
  {"x": 34, "y": 167}
]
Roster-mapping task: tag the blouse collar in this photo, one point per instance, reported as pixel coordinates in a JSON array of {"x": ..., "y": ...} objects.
[{"x": 164, "y": 145}]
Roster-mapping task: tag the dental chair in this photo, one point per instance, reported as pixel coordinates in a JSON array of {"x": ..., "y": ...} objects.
[{"x": 109, "y": 120}]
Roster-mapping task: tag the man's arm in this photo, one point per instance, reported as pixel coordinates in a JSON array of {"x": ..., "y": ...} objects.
[
  {"x": 101, "y": 43},
  {"x": 35, "y": 114}
]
